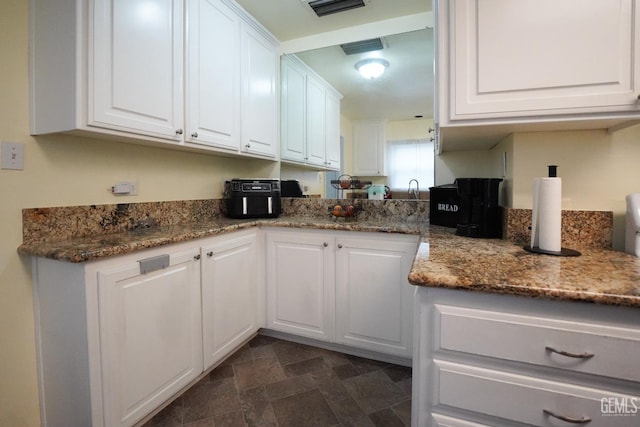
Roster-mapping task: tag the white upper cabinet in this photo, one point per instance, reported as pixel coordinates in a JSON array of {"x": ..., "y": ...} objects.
[
  {"x": 213, "y": 74},
  {"x": 316, "y": 122},
  {"x": 135, "y": 69},
  {"x": 310, "y": 117},
  {"x": 532, "y": 61},
  {"x": 369, "y": 148},
  {"x": 332, "y": 116},
  {"x": 259, "y": 59},
  {"x": 293, "y": 108},
  {"x": 200, "y": 74},
  {"x": 118, "y": 71}
]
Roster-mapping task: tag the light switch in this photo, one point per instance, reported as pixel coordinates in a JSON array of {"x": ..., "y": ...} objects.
[{"x": 12, "y": 154}]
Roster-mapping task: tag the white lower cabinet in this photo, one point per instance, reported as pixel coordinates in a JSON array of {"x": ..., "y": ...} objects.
[
  {"x": 149, "y": 332},
  {"x": 499, "y": 360},
  {"x": 373, "y": 297},
  {"x": 230, "y": 294},
  {"x": 342, "y": 288},
  {"x": 300, "y": 275},
  {"x": 117, "y": 338}
]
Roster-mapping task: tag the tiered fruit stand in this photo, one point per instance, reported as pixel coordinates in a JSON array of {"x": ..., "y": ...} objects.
[{"x": 351, "y": 183}]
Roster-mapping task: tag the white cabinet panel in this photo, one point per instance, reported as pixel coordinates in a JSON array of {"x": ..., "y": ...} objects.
[
  {"x": 293, "y": 110},
  {"x": 310, "y": 117},
  {"x": 503, "y": 59},
  {"x": 373, "y": 296},
  {"x": 368, "y": 148},
  {"x": 482, "y": 358},
  {"x": 332, "y": 119},
  {"x": 259, "y": 96},
  {"x": 300, "y": 274},
  {"x": 529, "y": 339},
  {"x": 150, "y": 335},
  {"x": 229, "y": 294},
  {"x": 213, "y": 75},
  {"x": 135, "y": 75},
  {"x": 316, "y": 126},
  {"x": 488, "y": 392}
]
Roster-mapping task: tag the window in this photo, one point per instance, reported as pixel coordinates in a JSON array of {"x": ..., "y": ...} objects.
[{"x": 410, "y": 159}]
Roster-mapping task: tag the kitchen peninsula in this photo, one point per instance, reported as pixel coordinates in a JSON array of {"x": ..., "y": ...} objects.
[{"x": 516, "y": 298}]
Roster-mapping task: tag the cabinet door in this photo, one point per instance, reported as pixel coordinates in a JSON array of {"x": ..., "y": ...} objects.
[
  {"x": 293, "y": 112},
  {"x": 333, "y": 131},
  {"x": 541, "y": 57},
  {"x": 373, "y": 296},
  {"x": 229, "y": 295},
  {"x": 213, "y": 75},
  {"x": 259, "y": 68},
  {"x": 135, "y": 67},
  {"x": 316, "y": 130},
  {"x": 300, "y": 277},
  {"x": 368, "y": 150},
  {"x": 150, "y": 335}
]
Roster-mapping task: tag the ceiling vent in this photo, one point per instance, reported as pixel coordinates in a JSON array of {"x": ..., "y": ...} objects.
[
  {"x": 328, "y": 7},
  {"x": 362, "y": 46}
]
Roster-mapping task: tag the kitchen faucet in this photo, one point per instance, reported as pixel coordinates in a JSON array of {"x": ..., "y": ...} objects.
[{"x": 414, "y": 194}]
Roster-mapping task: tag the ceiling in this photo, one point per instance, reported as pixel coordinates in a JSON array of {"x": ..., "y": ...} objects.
[{"x": 406, "y": 88}]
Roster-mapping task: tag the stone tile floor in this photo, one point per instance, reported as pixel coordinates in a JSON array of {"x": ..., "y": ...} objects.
[{"x": 271, "y": 382}]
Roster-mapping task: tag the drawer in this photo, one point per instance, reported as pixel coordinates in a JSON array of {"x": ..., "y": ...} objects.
[
  {"x": 576, "y": 346},
  {"x": 531, "y": 400}
]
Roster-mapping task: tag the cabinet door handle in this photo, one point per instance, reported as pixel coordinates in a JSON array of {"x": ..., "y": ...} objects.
[
  {"x": 431, "y": 130},
  {"x": 569, "y": 354},
  {"x": 325, "y": 244},
  {"x": 210, "y": 254},
  {"x": 339, "y": 245},
  {"x": 564, "y": 418},
  {"x": 194, "y": 134},
  {"x": 179, "y": 132},
  {"x": 196, "y": 258},
  {"x": 247, "y": 146}
]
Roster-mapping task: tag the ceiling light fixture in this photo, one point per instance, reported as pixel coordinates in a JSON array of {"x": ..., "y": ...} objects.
[{"x": 372, "y": 68}]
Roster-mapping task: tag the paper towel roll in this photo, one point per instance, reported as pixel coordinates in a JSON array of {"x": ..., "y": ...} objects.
[{"x": 546, "y": 224}]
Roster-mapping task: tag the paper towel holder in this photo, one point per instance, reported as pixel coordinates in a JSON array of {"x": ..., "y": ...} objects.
[{"x": 553, "y": 173}]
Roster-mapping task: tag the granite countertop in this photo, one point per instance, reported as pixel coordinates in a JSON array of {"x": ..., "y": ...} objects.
[
  {"x": 84, "y": 249},
  {"x": 442, "y": 260},
  {"x": 603, "y": 276}
]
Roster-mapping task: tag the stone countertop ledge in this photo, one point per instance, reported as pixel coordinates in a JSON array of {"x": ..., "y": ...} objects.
[
  {"x": 602, "y": 276},
  {"x": 443, "y": 259}
]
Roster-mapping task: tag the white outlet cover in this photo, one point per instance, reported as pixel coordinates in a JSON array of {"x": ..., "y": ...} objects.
[{"x": 12, "y": 154}]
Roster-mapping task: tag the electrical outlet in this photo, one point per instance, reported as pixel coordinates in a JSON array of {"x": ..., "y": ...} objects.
[
  {"x": 12, "y": 155},
  {"x": 125, "y": 188}
]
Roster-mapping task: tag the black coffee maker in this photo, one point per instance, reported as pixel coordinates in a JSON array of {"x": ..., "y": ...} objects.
[{"x": 479, "y": 214}]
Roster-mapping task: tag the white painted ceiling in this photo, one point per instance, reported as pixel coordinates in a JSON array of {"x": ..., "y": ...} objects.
[{"x": 406, "y": 88}]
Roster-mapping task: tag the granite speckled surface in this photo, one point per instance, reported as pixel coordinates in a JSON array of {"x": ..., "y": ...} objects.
[
  {"x": 84, "y": 233},
  {"x": 580, "y": 229},
  {"x": 498, "y": 266}
]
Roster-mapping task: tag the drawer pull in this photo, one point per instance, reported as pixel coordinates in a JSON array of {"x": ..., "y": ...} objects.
[
  {"x": 571, "y": 420},
  {"x": 568, "y": 354}
]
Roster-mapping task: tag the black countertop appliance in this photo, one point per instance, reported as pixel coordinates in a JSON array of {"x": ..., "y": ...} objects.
[
  {"x": 290, "y": 188},
  {"x": 252, "y": 198},
  {"x": 479, "y": 214}
]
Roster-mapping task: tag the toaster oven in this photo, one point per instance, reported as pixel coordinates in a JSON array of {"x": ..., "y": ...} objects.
[{"x": 252, "y": 198}]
